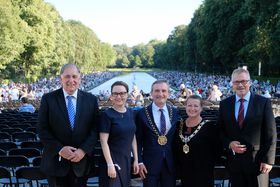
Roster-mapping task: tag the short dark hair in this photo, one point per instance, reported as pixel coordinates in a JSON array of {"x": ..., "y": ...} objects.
[
  {"x": 120, "y": 83},
  {"x": 195, "y": 97},
  {"x": 159, "y": 82},
  {"x": 24, "y": 100},
  {"x": 67, "y": 66}
]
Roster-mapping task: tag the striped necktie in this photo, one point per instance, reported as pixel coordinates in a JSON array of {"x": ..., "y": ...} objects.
[
  {"x": 71, "y": 111},
  {"x": 162, "y": 122},
  {"x": 241, "y": 113}
]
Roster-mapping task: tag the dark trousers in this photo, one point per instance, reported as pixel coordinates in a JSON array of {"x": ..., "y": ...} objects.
[
  {"x": 70, "y": 180},
  {"x": 245, "y": 180},
  {"x": 162, "y": 179}
]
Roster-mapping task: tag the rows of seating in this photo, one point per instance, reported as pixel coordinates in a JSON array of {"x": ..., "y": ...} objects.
[{"x": 21, "y": 149}]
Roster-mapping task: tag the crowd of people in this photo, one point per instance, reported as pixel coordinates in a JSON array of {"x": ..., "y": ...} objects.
[
  {"x": 155, "y": 142},
  {"x": 15, "y": 91},
  {"x": 210, "y": 87},
  {"x": 203, "y": 84}
]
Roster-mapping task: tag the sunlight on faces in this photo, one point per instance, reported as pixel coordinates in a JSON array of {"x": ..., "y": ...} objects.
[
  {"x": 160, "y": 93},
  {"x": 193, "y": 107},
  {"x": 70, "y": 79},
  {"x": 241, "y": 84},
  {"x": 119, "y": 95}
]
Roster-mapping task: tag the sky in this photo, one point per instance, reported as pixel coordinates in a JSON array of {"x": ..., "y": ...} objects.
[{"x": 128, "y": 22}]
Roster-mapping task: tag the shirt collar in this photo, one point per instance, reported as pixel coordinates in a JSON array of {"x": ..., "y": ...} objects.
[
  {"x": 246, "y": 97},
  {"x": 66, "y": 94},
  {"x": 156, "y": 108}
]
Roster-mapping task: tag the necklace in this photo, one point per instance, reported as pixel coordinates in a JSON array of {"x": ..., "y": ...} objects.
[
  {"x": 188, "y": 124},
  {"x": 121, "y": 111},
  {"x": 162, "y": 139},
  {"x": 186, "y": 139}
]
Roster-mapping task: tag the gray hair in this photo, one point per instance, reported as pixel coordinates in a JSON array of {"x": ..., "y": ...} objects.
[
  {"x": 65, "y": 66},
  {"x": 239, "y": 71}
]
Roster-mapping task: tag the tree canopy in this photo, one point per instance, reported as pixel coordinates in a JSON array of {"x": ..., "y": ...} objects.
[{"x": 36, "y": 41}]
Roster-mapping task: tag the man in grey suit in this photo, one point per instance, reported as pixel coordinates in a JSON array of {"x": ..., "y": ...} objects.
[
  {"x": 248, "y": 132},
  {"x": 67, "y": 129}
]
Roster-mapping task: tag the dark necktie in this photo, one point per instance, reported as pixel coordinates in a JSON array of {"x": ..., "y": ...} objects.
[
  {"x": 241, "y": 113},
  {"x": 71, "y": 111},
  {"x": 162, "y": 122}
]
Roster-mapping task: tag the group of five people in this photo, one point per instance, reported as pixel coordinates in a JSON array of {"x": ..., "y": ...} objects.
[{"x": 154, "y": 143}]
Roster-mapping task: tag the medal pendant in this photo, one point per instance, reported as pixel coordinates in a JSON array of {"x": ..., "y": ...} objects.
[
  {"x": 162, "y": 140},
  {"x": 186, "y": 148}
]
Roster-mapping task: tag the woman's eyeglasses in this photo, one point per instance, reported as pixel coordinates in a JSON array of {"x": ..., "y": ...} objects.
[{"x": 122, "y": 94}]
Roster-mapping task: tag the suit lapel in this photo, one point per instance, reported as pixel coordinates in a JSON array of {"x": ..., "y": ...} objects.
[
  {"x": 62, "y": 106},
  {"x": 78, "y": 108},
  {"x": 231, "y": 109},
  {"x": 150, "y": 113},
  {"x": 171, "y": 115},
  {"x": 249, "y": 111}
]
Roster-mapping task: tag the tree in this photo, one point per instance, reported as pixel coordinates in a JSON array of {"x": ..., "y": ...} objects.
[{"x": 13, "y": 36}]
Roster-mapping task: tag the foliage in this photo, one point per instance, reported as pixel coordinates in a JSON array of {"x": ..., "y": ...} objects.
[
  {"x": 35, "y": 42},
  {"x": 222, "y": 35}
]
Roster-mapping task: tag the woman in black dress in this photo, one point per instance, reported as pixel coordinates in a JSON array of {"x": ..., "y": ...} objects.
[
  {"x": 117, "y": 138},
  {"x": 196, "y": 146}
]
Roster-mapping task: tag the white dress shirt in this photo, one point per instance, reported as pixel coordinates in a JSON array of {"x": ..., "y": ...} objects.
[{"x": 157, "y": 113}]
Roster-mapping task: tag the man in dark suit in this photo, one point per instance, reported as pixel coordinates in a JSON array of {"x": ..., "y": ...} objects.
[
  {"x": 155, "y": 132},
  {"x": 67, "y": 120},
  {"x": 248, "y": 132}
]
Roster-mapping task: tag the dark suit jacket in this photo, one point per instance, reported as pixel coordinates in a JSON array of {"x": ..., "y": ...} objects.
[
  {"x": 258, "y": 134},
  {"x": 153, "y": 154},
  {"x": 55, "y": 131}
]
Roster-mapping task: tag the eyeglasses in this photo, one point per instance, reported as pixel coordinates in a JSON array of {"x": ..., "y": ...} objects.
[
  {"x": 243, "y": 82},
  {"x": 122, "y": 94}
]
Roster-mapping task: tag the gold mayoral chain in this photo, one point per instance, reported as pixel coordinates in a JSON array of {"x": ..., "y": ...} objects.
[
  {"x": 162, "y": 139},
  {"x": 186, "y": 139}
]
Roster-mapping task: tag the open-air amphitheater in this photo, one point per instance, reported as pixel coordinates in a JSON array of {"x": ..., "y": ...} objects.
[
  {"x": 18, "y": 136},
  {"x": 208, "y": 105}
]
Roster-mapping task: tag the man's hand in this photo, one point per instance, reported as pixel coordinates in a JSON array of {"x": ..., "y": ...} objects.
[
  {"x": 78, "y": 155},
  {"x": 67, "y": 152},
  {"x": 142, "y": 171},
  {"x": 265, "y": 168},
  {"x": 237, "y": 147}
]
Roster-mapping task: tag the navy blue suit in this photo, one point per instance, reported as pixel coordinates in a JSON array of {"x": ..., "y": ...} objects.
[
  {"x": 55, "y": 132},
  {"x": 155, "y": 156}
]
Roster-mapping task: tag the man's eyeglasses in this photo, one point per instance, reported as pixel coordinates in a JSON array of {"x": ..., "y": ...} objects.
[
  {"x": 122, "y": 94},
  {"x": 243, "y": 82}
]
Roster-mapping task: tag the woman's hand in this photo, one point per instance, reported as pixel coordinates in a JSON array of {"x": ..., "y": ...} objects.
[
  {"x": 112, "y": 171},
  {"x": 135, "y": 167}
]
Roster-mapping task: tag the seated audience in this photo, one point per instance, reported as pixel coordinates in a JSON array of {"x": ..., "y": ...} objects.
[{"x": 26, "y": 107}]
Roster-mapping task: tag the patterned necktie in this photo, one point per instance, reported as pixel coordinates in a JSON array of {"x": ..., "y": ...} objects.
[
  {"x": 241, "y": 113},
  {"x": 162, "y": 122},
  {"x": 71, "y": 111}
]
